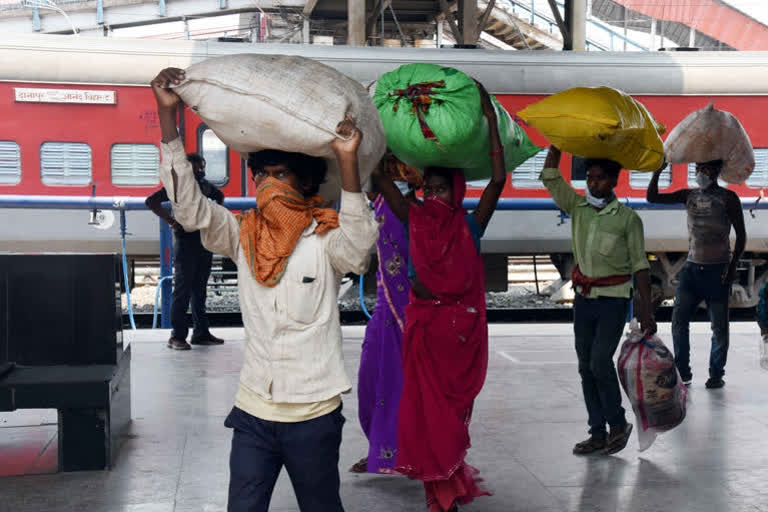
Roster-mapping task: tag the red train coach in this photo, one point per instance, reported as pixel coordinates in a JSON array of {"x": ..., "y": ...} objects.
[{"x": 76, "y": 113}]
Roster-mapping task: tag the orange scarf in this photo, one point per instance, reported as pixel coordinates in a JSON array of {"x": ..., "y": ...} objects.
[{"x": 270, "y": 233}]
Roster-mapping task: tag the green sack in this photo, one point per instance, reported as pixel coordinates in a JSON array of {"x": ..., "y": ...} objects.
[{"x": 432, "y": 116}]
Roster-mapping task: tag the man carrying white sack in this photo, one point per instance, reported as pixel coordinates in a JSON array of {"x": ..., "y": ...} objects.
[
  {"x": 710, "y": 268},
  {"x": 291, "y": 255}
]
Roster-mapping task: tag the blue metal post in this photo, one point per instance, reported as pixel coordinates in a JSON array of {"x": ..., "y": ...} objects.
[
  {"x": 36, "y": 26},
  {"x": 533, "y": 11},
  {"x": 124, "y": 232},
  {"x": 100, "y": 12},
  {"x": 166, "y": 270},
  {"x": 161, "y": 8}
]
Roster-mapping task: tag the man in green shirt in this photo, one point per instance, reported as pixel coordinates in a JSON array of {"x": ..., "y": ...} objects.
[{"x": 609, "y": 249}]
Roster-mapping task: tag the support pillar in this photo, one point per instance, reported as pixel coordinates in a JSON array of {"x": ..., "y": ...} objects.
[
  {"x": 468, "y": 22},
  {"x": 653, "y": 46},
  {"x": 626, "y": 29},
  {"x": 439, "y": 33},
  {"x": 305, "y": 32},
  {"x": 356, "y": 23},
  {"x": 166, "y": 270},
  {"x": 36, "y": 25},
  {"x": 576, "y": 23}
]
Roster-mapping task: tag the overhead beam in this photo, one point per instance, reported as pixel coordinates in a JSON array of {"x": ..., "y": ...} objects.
[
  {"x": 378, "y": 8},
  {"x": 130, "y": 14},
  {"x": 484, "y": 18},
  {"x": 559, "y": 19},
  {"x": 449, "y": 16},
  {"x": 309, "y": 7}
]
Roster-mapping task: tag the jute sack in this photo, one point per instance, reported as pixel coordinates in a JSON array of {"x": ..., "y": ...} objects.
[
  {"x": 254, "y": 102},
  {"x": 710, "y": 134}
]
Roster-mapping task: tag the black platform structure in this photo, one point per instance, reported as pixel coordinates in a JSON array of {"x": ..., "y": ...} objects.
[{"x": 61, "y": 347}]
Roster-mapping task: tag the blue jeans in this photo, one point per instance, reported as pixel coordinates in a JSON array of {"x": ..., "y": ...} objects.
[
  {"x": 191, "y": 270},
  {"x": 309, "y": 450},
  {"x": 598, "y": 325},
  {"x": 701, "y": 283}
]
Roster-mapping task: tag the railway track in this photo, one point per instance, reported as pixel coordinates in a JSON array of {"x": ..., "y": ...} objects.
[{"x": 522, "y": 271}]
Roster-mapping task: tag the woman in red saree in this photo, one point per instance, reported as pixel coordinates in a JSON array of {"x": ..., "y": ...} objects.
[{"x": 445, "y": 344}]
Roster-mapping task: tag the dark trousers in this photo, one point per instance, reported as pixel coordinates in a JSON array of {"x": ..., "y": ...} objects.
[
  {"x": 309, "y": 450},
  {"x": 701, "y": 283},
  {"x": 598, "y": 326},
  {"x": 191, "y": 270}
]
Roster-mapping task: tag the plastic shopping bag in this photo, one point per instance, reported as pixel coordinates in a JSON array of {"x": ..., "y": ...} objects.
[{"x": 652, "y": 383}]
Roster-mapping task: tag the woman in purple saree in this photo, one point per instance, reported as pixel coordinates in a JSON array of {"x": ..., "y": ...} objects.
[{"x": 380, "y": 379}]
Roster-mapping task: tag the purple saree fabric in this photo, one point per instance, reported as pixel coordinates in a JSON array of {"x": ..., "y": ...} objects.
[{"x": 380, "y": 379}]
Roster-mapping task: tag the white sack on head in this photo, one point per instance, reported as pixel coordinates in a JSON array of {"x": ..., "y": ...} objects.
[
  {"x": 254, "y": 102},
  {"x": 710, "y": 134}
]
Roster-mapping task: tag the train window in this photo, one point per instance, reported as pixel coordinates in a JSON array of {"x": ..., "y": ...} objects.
[
  {"x": 10, "y": 163},
  {"x": 692, "y": 177},
  {"x": 578, "y": 172},
  {"x": 759, "y": 177},
  {"x": 135, "y": 164},
  {"x": 641, "y": 180},
  {"x": 65, "y": 163},
  {"x": 216, "y": 157},
  {"x": 527, "y": 174}
]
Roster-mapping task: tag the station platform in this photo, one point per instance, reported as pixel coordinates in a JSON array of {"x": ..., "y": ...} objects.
[{"x": 526, "y": 420}]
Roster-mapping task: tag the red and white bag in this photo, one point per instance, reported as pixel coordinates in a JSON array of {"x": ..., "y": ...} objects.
[{"x": 652, "y": 383}]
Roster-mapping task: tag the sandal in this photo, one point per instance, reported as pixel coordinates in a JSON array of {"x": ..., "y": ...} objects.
[
  {"x": 360, "y": 466},
  {"x": 591, "y": 445},
  {"x": 618, "y": 441}
]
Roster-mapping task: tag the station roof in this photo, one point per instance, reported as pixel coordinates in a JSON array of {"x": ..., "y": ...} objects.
[
  {"x": 717, "y": 24},
  {"x": 714, "y": 20}
]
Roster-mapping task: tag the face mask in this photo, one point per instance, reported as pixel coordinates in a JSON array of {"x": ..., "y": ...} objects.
[
  {"x": 598, "y": 202},
  {"x": 703, "y": 180},
  {"x": 262, "y": 193},
  {"x": 402, "y": 186}
]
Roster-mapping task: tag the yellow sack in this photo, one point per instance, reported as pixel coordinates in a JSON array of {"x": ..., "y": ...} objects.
[{"x": 599, "y": 122}]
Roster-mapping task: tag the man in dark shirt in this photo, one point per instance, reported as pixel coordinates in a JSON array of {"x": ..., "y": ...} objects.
[
  {"x": 711, "y": 266},
  {"x": 191, "y": 267}
]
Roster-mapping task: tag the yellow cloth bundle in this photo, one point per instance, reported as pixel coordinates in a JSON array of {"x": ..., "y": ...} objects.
[{"x": 599, "y": 122}]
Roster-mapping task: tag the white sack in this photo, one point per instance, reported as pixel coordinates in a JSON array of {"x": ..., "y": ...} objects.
[
  {"x": 710, "y": 134},
  {"x": 254, "y": 102}
]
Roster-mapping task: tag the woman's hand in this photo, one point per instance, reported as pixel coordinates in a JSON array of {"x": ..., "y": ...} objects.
[{"x": 489, "y": 111}]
